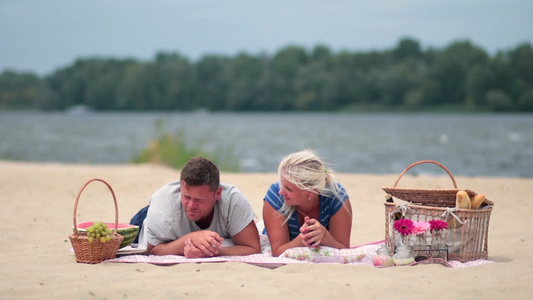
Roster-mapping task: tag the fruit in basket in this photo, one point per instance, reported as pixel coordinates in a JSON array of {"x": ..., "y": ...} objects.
[
  {"x": 477, "y": 200},
  {"x": 128, "y": 231},
  {"x": 99, "y": 231}
]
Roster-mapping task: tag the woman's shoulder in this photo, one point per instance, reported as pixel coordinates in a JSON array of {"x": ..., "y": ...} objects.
[
  {"x": 272, "y": 196},
  {"x": 339, "y": 185},
  {"x": 275, "y": 185},
  {"x": 341, "y": 190},
  {"x": 274, "y": 189}
]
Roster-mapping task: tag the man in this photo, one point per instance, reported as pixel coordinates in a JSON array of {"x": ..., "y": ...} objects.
[{"x": 194, "y": 216}]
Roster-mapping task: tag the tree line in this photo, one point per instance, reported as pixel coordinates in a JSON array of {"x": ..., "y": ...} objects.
[{"x": 460, "y": 76}]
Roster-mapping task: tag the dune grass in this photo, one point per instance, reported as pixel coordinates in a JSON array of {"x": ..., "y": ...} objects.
[{"x": 171, "y": 150}]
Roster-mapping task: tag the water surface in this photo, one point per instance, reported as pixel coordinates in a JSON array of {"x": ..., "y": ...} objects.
[{"x": 472, "y": 145}]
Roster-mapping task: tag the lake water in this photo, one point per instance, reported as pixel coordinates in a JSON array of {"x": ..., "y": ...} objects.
[{"x": 471, "y": 145}]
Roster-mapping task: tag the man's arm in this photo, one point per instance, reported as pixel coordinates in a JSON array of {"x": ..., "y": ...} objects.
[
  {"x": 246, "y": 242},
  {"x": 207, "y": 241}
]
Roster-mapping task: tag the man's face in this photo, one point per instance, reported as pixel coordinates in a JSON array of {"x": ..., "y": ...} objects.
[{"x": 198, "y": 201}]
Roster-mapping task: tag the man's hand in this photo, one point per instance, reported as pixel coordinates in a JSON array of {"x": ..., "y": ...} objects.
[{"x": 203, "y": 243}]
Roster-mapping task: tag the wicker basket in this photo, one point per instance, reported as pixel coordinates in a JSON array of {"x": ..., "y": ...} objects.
[
  {"x": 95, "y": 252},
  {"x": 469, "y": 242}
]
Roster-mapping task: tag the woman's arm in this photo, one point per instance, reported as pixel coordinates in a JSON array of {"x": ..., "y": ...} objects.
[
  {"x": 278, "y": 231},
  {"x": 340, "y": 227}
]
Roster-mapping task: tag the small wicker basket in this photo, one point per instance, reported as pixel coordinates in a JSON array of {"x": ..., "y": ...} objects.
[
  {"x": 95, "y": 252},
  {"x": 470, "y": 242}
]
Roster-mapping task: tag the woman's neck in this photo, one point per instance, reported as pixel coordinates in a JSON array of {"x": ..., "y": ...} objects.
[{"x": 310, "y": 208}]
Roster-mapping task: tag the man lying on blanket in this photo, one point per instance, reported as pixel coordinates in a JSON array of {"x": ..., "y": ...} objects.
[{"x": 194, "y": 216}]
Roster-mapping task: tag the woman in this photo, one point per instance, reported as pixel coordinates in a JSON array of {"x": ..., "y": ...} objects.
[{"x": 306, "y": 207}]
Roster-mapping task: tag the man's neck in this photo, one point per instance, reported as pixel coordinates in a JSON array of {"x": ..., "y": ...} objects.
[{"x": 205, "y": 222}]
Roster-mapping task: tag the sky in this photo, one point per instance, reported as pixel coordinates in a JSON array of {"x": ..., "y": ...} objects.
[{"x": 42, "y": 36}]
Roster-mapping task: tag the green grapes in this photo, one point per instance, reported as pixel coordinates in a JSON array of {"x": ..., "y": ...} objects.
[{"x": 99, "y": 231}]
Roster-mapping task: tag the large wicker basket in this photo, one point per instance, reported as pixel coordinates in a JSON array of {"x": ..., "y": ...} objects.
[
  {"x": 95, "y": 252},
  {"x": 469, "y": 242}
]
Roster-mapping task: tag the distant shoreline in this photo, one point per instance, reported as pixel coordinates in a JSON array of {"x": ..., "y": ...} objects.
[
  {"x": 151, "y": 165},
  {"x": 454, "y": 110}
]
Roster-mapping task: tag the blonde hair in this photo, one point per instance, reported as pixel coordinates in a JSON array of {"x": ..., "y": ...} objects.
[{"x": 309, "y": 173}]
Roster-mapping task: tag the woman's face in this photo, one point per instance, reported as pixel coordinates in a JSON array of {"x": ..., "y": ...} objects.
[{"x": 292, "y": 194}]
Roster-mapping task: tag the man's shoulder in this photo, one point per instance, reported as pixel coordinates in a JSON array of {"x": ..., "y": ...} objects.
[
  {"x": 233, "y": 205},
  {"x": 231, "y": 195},
  {"x": 166, "y": 192},
  {"x": 169, "y": 187},
  {"x": 230, "y": 191},
  {"x": 229, "y": 188}
]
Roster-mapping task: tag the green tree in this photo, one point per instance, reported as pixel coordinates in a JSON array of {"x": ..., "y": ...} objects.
[
  {"x": 210, "y": 83},
  {"x": 445, "y": 82},
  {"x": 461, "y": 75},
  {"x": 285, "y": 69},
  {"x": 244, "y": 73},
  {"x": 91, "y": 82},
  {"x": 521, "y": 65},
  {"x": 314, "y": 84},
  {"x": 407, "y": 48},
  {"x": 395, "y": 82},
  {"x": 19, "y": 90}
]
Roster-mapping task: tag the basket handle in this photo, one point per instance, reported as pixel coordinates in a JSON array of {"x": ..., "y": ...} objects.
[
  {"x": 78, "y": 198},
  {"x": 423, "y": 162}
]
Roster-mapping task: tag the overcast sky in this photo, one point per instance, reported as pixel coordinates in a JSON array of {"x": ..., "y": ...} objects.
[{"x": 44, "y": 35}]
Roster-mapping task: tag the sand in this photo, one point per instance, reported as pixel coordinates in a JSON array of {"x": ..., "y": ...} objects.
[{"x": 37, "y": 201}]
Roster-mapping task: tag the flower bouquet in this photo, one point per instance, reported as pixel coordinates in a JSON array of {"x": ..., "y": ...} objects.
[
  {"x": 414, "y": 235},
  {"x": 438, "y": 244}
]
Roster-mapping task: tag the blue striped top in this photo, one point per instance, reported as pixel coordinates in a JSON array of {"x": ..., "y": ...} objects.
[{"x": 329, "y": 206}]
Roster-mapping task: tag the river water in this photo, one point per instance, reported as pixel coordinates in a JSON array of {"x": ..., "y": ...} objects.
[{"x": 467, "y": 144}]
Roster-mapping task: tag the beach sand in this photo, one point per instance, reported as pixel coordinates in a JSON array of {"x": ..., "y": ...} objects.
[{"x": 37, "y": 201}]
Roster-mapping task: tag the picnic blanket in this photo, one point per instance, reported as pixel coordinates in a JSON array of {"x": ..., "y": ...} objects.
[{"x": 358, "y": 255}]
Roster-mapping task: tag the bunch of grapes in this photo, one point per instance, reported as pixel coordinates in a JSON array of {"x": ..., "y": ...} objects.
[{"x": 99, "y": 231}]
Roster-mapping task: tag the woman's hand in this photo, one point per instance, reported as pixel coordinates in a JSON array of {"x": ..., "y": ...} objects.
[{"x": 312, "y": 232}]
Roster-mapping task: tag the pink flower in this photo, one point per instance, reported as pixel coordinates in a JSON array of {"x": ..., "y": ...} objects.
[
  {"x": 437, "y": 225},
  {"x": 404, "y": 226},
  {"x": 420, "y": 227}
]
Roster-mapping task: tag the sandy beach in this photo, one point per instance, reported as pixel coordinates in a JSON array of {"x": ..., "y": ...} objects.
[{"x": 37, "y": 201}]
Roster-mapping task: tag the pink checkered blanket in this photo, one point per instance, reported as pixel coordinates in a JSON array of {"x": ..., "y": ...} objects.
[{"x": 359, "y": 255}]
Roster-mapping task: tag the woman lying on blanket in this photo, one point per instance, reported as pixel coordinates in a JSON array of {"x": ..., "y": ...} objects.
[{"x": 306, "y": 207}]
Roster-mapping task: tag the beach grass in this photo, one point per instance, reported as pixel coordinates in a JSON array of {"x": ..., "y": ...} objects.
[{"x": 172, "y": 150}]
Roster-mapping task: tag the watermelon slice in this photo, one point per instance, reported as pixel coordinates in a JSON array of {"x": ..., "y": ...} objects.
[{"x": 128, "y": 231}]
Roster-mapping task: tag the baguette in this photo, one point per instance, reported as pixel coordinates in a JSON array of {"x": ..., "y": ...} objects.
[
  {"x": 462, "y": 201},
  {"x": 477, "y": 200}
]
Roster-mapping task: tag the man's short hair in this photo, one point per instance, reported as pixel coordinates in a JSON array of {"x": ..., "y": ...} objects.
[{"x": 201, "y": 171}]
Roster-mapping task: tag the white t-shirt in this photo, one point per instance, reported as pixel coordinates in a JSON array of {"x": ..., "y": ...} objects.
[{"x": 167, "y": 221}]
